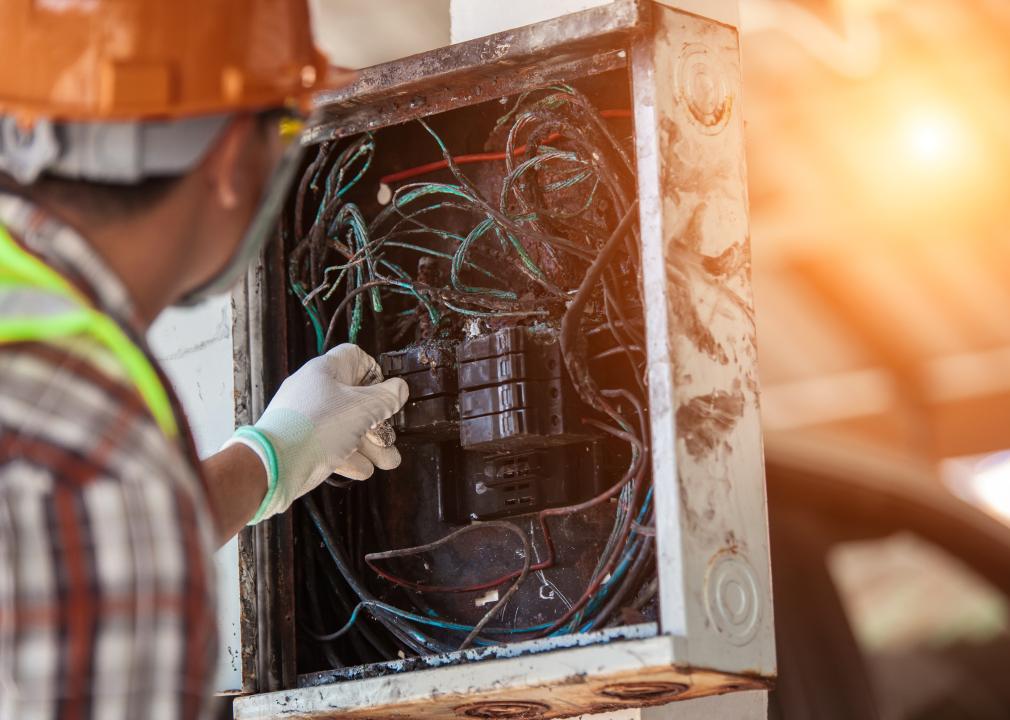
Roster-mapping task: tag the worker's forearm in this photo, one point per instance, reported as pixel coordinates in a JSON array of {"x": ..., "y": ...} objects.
[{"x": 236, "y": 483}]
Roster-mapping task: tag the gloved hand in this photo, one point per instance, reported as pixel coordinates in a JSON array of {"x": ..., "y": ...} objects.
[{"x": 318, "y": 423}]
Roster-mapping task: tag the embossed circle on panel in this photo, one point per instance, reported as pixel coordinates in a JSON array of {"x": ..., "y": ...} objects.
[
  {"x": 501, "y": 709},
  {"x": 640, "y": 691},
  {"x": 702, "y": 86},
  {"x": 731, "y": 597}
]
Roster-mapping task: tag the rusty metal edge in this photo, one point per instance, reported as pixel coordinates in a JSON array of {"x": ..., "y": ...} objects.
[
  {"x": 266, "y": 592},
  {"x": 575, "y": 686},
  {"x": 246, "y": 351},
  {"x": 275, "y": 556},
  {"x": 479, "y": 654},
  {"x": 479, "y": 87}
]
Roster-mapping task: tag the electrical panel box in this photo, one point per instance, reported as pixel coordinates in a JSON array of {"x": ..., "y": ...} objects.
[{"x": 543, "y": 233}]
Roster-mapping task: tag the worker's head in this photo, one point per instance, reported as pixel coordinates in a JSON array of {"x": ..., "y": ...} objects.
[{"x": 113, "y": 111}]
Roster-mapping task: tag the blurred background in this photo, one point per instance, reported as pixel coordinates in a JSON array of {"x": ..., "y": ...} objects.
[{"x": 879, "y": 155}]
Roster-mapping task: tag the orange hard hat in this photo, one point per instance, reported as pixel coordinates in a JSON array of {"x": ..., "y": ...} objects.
[{"x": 104, "y": 60}]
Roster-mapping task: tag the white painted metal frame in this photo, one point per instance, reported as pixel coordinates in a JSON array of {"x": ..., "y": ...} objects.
[
  {"x": 562, "y": 683},
  {"x": 716, "y": 627},
  {"x": 708, "y": 464}
]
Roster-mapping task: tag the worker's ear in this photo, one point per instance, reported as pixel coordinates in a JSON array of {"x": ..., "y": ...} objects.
[{"x": 224, "y": 164}]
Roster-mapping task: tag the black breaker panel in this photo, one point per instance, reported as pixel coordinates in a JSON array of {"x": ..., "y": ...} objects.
[
  {"x": 488, "y": 255},
  {"x": 510, "y": 419}
]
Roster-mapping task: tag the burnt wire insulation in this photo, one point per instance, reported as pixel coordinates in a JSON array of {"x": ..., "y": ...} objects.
[{"x": 505, "y": 266}]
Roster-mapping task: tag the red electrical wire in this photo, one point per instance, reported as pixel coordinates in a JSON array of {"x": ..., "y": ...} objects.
[
  {"x": 421, "y": 587},
  {"x": 412, "y": 172},
  {"x": 634, "y": 474}
]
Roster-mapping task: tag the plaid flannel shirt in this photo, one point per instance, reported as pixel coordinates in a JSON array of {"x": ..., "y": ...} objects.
[{"x": 106, "y": 580}]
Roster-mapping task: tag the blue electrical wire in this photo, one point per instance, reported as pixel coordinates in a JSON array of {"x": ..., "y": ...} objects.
[
  {"x": 423, "y": 620},
  {"x": 626, "y": 559}
]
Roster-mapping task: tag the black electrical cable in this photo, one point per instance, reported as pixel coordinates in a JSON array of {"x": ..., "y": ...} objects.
[
  {"x": 571, "y": 321},
  {"x": 311, "y": 583},
  {"x": 641, "y": 563},
  {"x": 380, "y": 646},
  {"x": 417, "y": 641}
]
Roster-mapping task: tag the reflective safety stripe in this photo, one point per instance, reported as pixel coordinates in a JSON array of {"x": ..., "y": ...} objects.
[
  {"x": 19, "y": 301},
  {"x": 67, "y": 313}
]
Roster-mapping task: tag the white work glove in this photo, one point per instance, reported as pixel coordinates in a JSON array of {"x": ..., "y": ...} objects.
[{"x": 318, "y": 423}]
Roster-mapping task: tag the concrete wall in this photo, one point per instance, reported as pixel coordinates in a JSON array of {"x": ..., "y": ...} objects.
[
  {"x": 357, "y": 33},
  {"x": 194, "y": 345},
  {"x": 474, "y": 18}
]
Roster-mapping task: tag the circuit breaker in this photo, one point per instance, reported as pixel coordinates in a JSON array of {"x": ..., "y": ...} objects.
[
  {"x": 544, "y": 234},
  {"x": 509, "y": 420}
]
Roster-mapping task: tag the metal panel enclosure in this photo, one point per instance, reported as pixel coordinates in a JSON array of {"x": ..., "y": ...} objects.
[
  {"x": 715, "y": 631},
  {"x": 715, "y": 587}
]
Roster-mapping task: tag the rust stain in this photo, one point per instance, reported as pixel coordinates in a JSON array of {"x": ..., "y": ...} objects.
[
  {"x": 730, "y": 262},
  {"x": 588, "y": 699},
  {"x": 559, "y": 700},
  {"x": 705, "y": 420},
  {"x": 684, "y": 315},
  {"x": 648, "y": 690},
  {"x": 503, "y": 709},
  {"x": 680, "y": 174},
  {"x": 684, "y": 266},
  {"x": 671, "y": 168}
]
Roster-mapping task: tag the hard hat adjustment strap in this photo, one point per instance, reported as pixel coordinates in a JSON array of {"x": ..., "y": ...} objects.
[
  {"x": 110, "y": 152},
  {"x": 25, "y": 153}
]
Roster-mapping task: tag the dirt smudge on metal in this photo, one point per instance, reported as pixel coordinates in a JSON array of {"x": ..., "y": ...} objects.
[{"x": 705, "y": 420}]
